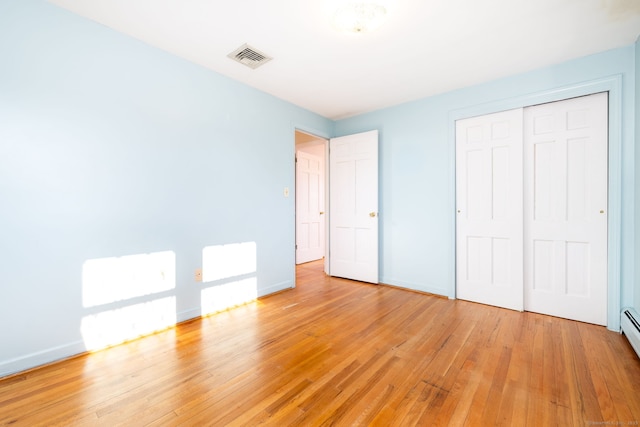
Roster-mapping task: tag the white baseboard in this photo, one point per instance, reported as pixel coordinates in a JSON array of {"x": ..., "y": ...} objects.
[
  {"x": 53, "y": 354},
  {"x": 32, "y": 360},
  {"x": 436, "y": 290}
]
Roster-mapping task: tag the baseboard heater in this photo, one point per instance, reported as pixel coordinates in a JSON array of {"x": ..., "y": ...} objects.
[{"x": 630, "y": 322}]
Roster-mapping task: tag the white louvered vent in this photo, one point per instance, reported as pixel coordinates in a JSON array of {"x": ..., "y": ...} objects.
[{"x": 249, "y": 56}]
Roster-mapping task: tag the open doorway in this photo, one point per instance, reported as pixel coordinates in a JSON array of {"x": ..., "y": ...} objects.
[{"x": 311, "y": 198}]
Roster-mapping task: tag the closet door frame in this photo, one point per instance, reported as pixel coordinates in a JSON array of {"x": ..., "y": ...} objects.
[{"x": 612, "y": 85}]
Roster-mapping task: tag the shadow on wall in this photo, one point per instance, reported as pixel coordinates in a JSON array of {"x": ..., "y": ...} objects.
[{"x": 135, "y": 295}]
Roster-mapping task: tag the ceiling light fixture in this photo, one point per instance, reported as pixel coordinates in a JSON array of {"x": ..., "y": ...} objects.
[{"x": 359, "y": 17}]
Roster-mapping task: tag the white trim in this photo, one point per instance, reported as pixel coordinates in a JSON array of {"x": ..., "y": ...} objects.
[
  {"x": 325, "y": 138},
  {"x": 422, "y": 287},
  {"x": 43, "y": 357},
  {"x": 77, "y": 348}
]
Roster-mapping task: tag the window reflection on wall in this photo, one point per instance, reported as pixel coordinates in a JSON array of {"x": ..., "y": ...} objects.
[
  {"x": 123, "y": 324},
  {"x": 230, "y": 270},
  {"x": 129, "y": 296},
  {"x": 107, "y": 280}
]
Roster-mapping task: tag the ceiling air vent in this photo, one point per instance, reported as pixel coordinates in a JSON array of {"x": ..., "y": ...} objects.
[{"x": 249, "y": 56}]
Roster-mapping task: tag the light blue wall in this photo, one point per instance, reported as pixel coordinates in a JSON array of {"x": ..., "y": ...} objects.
[
  {"x": 417, "y": 200},
  {"x": 109, "y": 147},
  {"x": 636, "y": 284}
]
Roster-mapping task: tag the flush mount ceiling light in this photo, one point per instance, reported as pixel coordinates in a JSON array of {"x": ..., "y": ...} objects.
[{"x": 359, "y": 17}]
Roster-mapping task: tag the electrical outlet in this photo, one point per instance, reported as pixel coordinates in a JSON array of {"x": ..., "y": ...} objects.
[
  {"x": 286, "y": 191},
  {"x": 198, "y": 275}
]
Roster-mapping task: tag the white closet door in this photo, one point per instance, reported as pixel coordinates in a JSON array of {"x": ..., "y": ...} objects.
[
  {"x": 566, "y": 208},
  {"x": 489, "y": 203}
]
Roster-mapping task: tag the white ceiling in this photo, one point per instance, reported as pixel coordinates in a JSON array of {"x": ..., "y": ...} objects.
[{"x": 426, "y": 47}]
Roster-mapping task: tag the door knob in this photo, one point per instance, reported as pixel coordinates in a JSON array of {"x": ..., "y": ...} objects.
[
  {"x": 372, "y": 214},
  {"x": 321, "y": 213}
]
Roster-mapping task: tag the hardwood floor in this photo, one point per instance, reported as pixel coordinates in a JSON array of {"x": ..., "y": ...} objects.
[{"x": 335, "y": 352}]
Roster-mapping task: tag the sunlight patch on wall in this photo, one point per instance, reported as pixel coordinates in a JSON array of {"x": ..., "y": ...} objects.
[
  {"x": 107, "y": 280},
  {"x": 222, "y": 297},
  {"x": 233, "y": 269},
  {"x": 123, "y": 295},
  {"x": 225, "y": 261},
  {"x": 123, "y": 324}
]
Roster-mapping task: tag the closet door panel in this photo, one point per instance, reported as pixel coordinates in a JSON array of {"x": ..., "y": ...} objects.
[
  {"x": 489, "y": 266},
  {"x": 565, "y": 224}
]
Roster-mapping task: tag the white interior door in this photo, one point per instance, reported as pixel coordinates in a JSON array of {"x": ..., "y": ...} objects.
[
  {"x": 309, "y": 207},
  {"x": 566, "y": 208},
  {"x": 353, "y": 203},
  {"x": 489, "y": 246}
]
